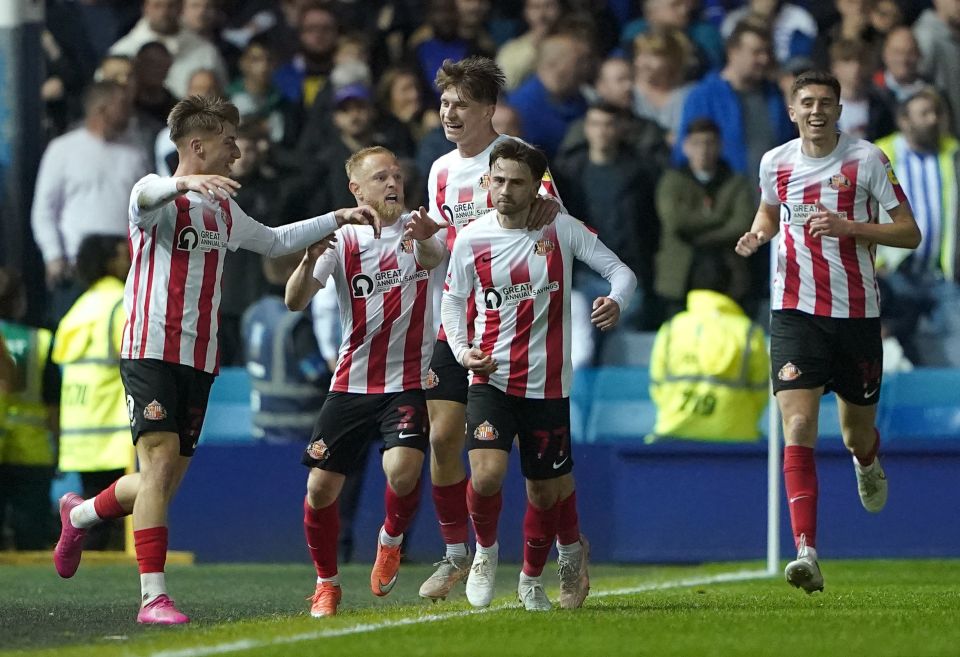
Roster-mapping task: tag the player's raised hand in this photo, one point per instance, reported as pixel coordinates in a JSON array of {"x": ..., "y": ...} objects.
[
  {"x": 543, "y": 211},
  {"x": 606, "y": 313},
  {"x": 315, "y": 250},
  {"x": 748, "y": 244},
  {"x": 362, "y": 215},
  {"x": 824, "y": 223},
  {"x": 422, "y": 226},
  {"x": 478, "y": 362},
  {"x": 210, "y": 185}
]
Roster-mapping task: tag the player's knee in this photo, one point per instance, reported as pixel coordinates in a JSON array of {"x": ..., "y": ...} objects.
[
  {"x": 542, "y": 494},
  {"x": 320, "y": 497},
  {"x": 403, "y": 482},
  {"x": 800, "y": 428},
  {"x": 486, "y": 479},
  {"x": 446, "y": 443}
]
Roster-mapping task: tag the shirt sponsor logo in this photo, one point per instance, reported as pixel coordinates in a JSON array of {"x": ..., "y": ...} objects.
[
  {"x": 543, "y": 247},
  {"x": 485, "y": 431},
  {"x": 460, "y": 214},
  {"x": 190, "y": 239},
  {"x": 364, "y": 285},
  {"x": 798, "y": 214},
  {"x": 511, "y": 295},
  {"x": 154, "y": 411}
]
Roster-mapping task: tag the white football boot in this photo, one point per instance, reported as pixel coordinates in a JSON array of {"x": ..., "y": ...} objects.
[
  {"x": 804, "y": 573},
  {"x": 483, "y": 576}
]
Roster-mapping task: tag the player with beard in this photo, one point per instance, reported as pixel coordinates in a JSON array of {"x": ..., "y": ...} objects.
[
  {"x": 459, "y": 191},
  {"x": 823, "y": 191},
  {"x": 386, "y": 321},
  {"x": 521, "y": 370},
  {"x": 180, "y": 229}
]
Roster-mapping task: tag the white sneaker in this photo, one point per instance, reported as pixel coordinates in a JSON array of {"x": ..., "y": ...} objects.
[
  {"x": 871, "y": 484},
  {"x": 483, "y": 575},
  {"x": 574, "y": 577},
  {"x": 531, "y": 594},
  {"x": 804, "y": 573}
]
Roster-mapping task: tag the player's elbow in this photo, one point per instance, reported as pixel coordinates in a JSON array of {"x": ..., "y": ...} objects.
[
  {"x": 914, "y": 237},
  {"x": 294, "y": 300}
]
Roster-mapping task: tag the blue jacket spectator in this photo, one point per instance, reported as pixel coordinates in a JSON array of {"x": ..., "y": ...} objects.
[{"x": 740, "y": 90}]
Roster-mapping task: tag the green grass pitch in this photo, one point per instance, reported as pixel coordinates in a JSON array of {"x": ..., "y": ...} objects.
[{"x": 872, "y": 608}]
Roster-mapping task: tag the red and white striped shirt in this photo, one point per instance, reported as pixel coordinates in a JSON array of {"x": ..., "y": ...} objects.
[
  {"x": 827, "y": 276},
  {"x": 386, "y": 319},
  {"x": 172, "y": 293},
  {"x": 522, "y": 281},
  {"x": 459, "y": 191}
]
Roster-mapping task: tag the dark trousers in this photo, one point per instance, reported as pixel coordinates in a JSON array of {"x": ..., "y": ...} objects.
[{"x": 25, "y": 509}]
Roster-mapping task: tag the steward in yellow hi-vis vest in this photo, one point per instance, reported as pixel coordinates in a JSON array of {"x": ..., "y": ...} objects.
[
  {"x": 94, "y": 419},
  {"x": 709, "y": 371},
  {"x": 94, "y": 423},
  {"x": 28, "y": 428}
]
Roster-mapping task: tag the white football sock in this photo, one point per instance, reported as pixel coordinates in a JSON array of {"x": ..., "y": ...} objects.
[
  {"x": 152, "y": 586},
  {"x": 335, "y": 580},
  {"x": 84, "y": 515},
  {"x": 528, "y": 578},
  {"x": 493, "y": 550},
  {"x": 387, "y": 539},
  {"x": 456, "y": 550},
  {"x": 571, "y": 551}
]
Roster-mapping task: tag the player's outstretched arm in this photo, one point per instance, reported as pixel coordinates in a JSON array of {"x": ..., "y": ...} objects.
[
  {"x": 362, "y": 215},
  {"x": 765, "y": 226},
  {"x": 428, "y": 249},
  {"x": 160, "y": 191},
  {"x": 302, "y": 284}
]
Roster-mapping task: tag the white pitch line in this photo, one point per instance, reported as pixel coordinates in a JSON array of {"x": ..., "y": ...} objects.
[{"x": 363, "y": 628}]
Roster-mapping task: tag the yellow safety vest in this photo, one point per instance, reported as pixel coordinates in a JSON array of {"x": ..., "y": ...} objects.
[
  {"x": 26, "y": 438},
  {"x": 709, "y": 372},
  {"x": 94, "y": 422}
]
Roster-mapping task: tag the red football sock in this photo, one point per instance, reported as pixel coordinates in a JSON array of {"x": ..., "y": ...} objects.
[
  {"x": 485, "y": 512},
  {"x": 400, "y": 510},
  {"x": 151, "y": 547},
  {"x": 106, "y": 504},
  {"x": 872, "y": 454},
  {"x": 568, "y": 523},
  {"x": 451, "y": 505},
  {"x": 800, "y": 479},
  {"x": 539, "y": 530},
  {"x": 322, "y": 527}
]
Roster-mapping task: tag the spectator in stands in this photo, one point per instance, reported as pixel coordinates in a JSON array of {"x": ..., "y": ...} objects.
[
  {"x": 305, "y": 77},
  {"x": 866, "y": 114},
  {"x": 659, "y": 15},
  {"x": 255, "y": 94},
  {"x": 117, "y": 68},
  {"x": 614, "y": 86},
  {"x": 94, "y": 421},
  {"x": 31, "y": 433},
  {"x": 609, "y": 188},
  {"x": 738, "y": 96},
  {"x": 792, "y": 27},
  {"x": 62, "y": 89},
  {"x": 703, "y": 208},
  {"x": 472, "y": 26},
  {"x": 161, "y": 22},
  {"x": 152, "y": 101},
  {"x": 83, "y": 187},
  {"x": 938, "y": 34},
  {"x": 290, "y": 379},
  {"x": 258, "y": 194},
  {"x": 550, "y": 100},
  {"x": 203, "y": 82},
  {"x": 400, "y": 100},
  {"x": 926, "y": 159},
  {"x": 885, "y": 16},
  {"x": 660, "y": 63},
  {"x": 709, "y": 366},
  {"x": 899, "y": 78},
  {"x": 853, "y": 25},
  {"x": 518, "y": 56}
]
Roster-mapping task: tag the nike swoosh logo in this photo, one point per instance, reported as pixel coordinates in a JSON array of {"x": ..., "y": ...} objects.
[
  {"x": 408, "y": 435},
  {"x": 386, "y": 588},
  {"x": 798, "y": 497},
  {"x": 489, "y": 258},
  {"x": 361, "y": 252},
  {"x": 868, "y": 395},
  {"x": 557, "y": 466}
]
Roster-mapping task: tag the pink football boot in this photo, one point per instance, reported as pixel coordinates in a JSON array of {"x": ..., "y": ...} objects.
[
  {"x": 161, "y": 612},
  {"x": 66, "y": 556}
]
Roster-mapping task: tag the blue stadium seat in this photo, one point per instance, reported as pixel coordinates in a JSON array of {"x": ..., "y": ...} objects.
[
  {"x": 628, "y": 348},
  {"x": 620, "y": 421},
  {"x": 229, "y": 418}
]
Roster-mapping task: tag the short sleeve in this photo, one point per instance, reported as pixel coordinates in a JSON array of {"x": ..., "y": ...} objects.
[
  {"x": 768, "y": 181},
  {"x": 460, "y": 275},
  {"x": 882, "y": 181},
  {"x": 326, "y": 265}
]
